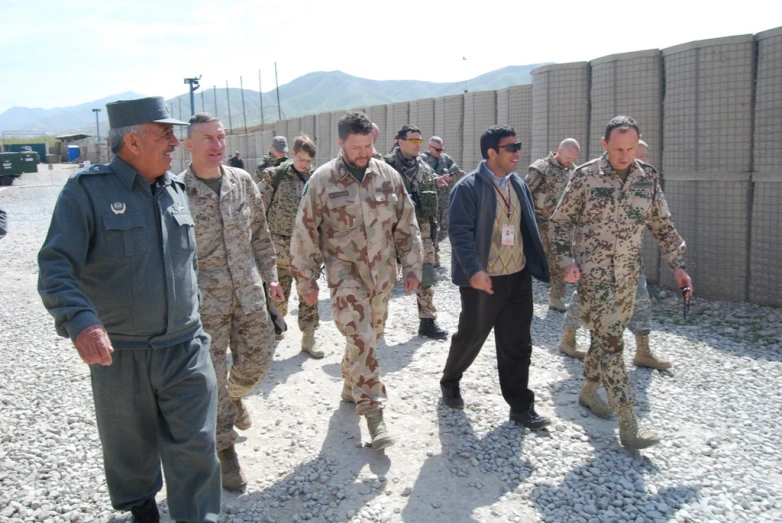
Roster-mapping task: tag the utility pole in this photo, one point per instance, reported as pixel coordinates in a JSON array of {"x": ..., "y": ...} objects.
[
  {"x": 228, "y": 98},
  {"x": 277, "y": 84},
  {"x": 97, "y": 122},
  {"x": 194, "y": 85},
  {"x": 261, "y": 95},
  {"x": 244, "y": 112}
]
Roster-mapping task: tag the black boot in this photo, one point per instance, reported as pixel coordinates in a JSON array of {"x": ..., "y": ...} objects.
[
  {"x": 430, "y": 329},
  {"x": 146, "y": 512},
  {"x": 452, "y": 397}
]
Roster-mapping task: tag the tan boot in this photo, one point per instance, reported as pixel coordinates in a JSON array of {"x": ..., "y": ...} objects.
[
  {"x": 280, "y": 336},
  {"x": 590, "y": 398},
  {"x": 233, "y": 476},
  {"x": 347, "y": 392},
  {"x": 243, "y": 420},
  {"x": 308, "y": 345},
  {"x": 556, "y": 304},
  {"x": 644, "y": 356},
  {"x": 569, "y": 346},
  {"x": 378, "y": 432},
  {"x": 630, "y": 434}
]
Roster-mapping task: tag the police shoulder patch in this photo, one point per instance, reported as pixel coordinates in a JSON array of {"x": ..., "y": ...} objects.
[{"x": 93, "y": 170}]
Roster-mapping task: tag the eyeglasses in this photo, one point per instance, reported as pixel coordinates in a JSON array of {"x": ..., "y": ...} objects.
[
  {"x": 512, "y": 147},
  {"x": 416, "y": 141},
  {"x": 439, "y": 150}
]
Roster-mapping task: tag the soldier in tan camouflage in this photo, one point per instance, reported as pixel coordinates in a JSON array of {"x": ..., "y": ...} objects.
[
  {"x": 356, "y": 215},
  {"x": 640, "y": 324},
  {"x": 421, "y": 183},
  {"x": 235, "y": 256},
  {"x": 598, "y": 230},
  {"x": 281, "y": 191},
  {"x": 278, "y": 153},
  {"x": 547, "y": 178},
  {"x": 445, "y": 167}
]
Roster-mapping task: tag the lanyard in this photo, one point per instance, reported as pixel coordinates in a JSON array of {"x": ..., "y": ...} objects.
[{"x": 506, "y": 202}]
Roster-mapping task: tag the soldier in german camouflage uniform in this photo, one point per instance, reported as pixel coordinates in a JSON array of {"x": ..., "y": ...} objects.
[
  {"x": 598, "y": 231},
  {"x": 281, "y": 191},
  {"x": 235, "y": 253},
  {"x": 278, "y": 153},
  {"x": 547, "y": 178},
  {"x": 421, "y": 183},
  {"x": 640, "y": 323},
  {"x": 356, "y": 215},
  {"x": 445, "y": 167}
]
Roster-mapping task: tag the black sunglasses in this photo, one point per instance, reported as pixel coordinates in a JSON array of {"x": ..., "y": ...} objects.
[
  {"x": 436, "y": 149},
  {"x": 512, "y": 147}
]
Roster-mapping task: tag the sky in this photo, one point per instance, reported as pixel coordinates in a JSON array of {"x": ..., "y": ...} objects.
[{"x": 59, "y": 54}]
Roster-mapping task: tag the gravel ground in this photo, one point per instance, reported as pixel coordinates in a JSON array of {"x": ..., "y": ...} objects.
[{"x": 718, "y": 413}]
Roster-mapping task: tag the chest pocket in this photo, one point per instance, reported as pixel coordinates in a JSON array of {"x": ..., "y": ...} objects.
[
  {"x": 343, "y": 212},
  {"x": 182, "y": 235},
  {"x": 602, "y": 205},
  {"x": 639, "y": 201},
  {"x": 125, "y": 234}
]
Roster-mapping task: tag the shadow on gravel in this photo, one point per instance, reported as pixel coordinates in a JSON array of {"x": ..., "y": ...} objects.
[
  {"x": 324, "y": 485},
  {"x": 470, "y": 472}
]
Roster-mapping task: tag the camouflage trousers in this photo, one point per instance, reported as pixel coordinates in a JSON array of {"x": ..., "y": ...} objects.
[
  {"x": 557, "y": 286},
  {"x": 443, "y": 198},
  {"x": 605, "y": 309},
  {"x": 641, "y": 320},
  {"x": 308, "y": 318},
  {"x": 360, "y": 316},
  {"x": 425, "y": 296},
  {"x": 250, "y": 338}
]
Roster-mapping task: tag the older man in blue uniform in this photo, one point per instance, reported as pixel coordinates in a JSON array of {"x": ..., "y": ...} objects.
[{"x": 118, "y": 273}]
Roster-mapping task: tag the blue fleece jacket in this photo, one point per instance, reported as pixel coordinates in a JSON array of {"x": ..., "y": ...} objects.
[{"x": 471, "y": 215}]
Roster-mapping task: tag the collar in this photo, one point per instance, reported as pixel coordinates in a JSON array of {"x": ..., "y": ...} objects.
[
  {"x": 342, "y": 170},
  {"x": 500, "y": 182},
  {"x": 553, "y": 159},
  {"x": 127, "y": 174},
  {"x": 198, "y": 188}
]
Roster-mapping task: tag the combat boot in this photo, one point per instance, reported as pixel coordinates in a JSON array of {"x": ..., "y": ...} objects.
[
  {"x": 429, "y": 328},
  {"x": 436, "y": 263},
  {"x": 570, "y": 346},
  {"x": 630, "y": 434},
  {"x": 243, "y": 419},
  {"x": 590, "y": 398},
  {"x": 347, "y": 392},
  {"x": 644, "y": 356},
  {"x": 147, "y": 512},
  {"x": 233, "y": 475},
  {"x": 308, "y": 345},
  {"x": 279, "y": 336},
  {"x": 556, "y": 304},
  {"x": 378, "y": 432}
]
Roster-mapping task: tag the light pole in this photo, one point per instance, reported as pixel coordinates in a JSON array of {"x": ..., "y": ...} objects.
[
  {"x": 97, "y": 125},
  {"x": 193, "y": 82}
]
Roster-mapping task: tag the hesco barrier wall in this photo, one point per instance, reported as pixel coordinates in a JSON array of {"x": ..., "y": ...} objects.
[{"x": 710, "y": 110}]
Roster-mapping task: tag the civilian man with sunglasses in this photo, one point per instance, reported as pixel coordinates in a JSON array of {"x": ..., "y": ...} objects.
[
  {"x": 445, "y": 167},
  {"x": 496, "y": 250},
  {"x": 420, "y": 182}
]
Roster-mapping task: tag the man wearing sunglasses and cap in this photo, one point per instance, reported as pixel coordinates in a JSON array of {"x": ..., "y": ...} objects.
[
  {"x": 118, "y": 273},
  {"x": 278, "y": 153},
  {"x": 420, "y": 182},
  {"x": 445, "y": 167},
  {"x": 496, "y": 251}
]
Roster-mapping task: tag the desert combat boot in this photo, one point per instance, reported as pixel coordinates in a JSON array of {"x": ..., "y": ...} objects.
[
  {"x": 644, "y": 356},
  {"x": 308, "y": 344},
  {"x": 381, "y": 439},
  {"x": 556, "y": 304},
  {"x": 589, "y": 398},
  {"x": 570, "y": 346},
  {"x": 233, "y": 475},
  {"x": 243, "y": 419},
  {"x": 631, "y": 435}
]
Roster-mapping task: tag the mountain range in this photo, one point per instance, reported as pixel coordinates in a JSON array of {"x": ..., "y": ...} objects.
[{"x": 309, "y": 94}]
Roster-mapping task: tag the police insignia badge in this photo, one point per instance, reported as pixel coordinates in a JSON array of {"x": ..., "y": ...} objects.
[
  {"x": 179, "y": 207},
  {"x": 118, "y": 207}
]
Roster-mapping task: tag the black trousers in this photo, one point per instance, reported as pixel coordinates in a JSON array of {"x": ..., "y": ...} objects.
[{"x": 509, "y": 312}]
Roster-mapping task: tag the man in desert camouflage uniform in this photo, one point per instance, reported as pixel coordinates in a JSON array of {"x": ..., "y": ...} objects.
[
  {"x": 278, "y": 153},
  {"x": 547, "y": 178},
  {"x": 356, "y": 215},
  {"x": 640, "y": 323},
  {"x": 445, "y": 167},
  {"x": 235, "y": 252},
  {"x": 598, "y": 231},
  {"x": 421, "y": 183},
  {"x": 281, "y": 191}
]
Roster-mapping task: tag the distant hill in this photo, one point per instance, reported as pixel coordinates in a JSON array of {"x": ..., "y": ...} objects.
[{"x": 309, "y": 94}]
